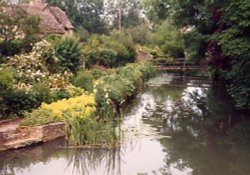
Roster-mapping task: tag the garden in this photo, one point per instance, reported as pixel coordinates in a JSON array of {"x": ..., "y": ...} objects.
[
  {"x": 86, "y": 78},
  {"x": 84, "y": 85}
]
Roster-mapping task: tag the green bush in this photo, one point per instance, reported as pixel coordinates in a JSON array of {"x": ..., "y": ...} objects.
[
  {"x": 84, "y": 80},
  {"x": 6, "y": 79},
  {"x": 168, "y": 39},
  {"x": 97, "y": 73},
  {"x": 112, "y": 90},
  {"x": 104, "y": 57},
  {"x": 112, "y": 50},
  {"x": 69, "y": 52},
  {"x": 17, "y": 102},
  {"x": 39, "y": 117},
  {"x": 41, "y": 93},
  {"x": 11, "y": 48},
  {"x": 139, "y": 34}
]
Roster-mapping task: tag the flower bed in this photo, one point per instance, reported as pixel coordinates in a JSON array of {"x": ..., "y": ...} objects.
[{"x": 82, "y": 106}]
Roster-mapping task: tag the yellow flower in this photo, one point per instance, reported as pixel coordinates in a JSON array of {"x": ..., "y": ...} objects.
[{"x": 82, "y": 106}]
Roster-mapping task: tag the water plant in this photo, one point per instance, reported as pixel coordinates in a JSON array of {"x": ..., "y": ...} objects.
[{"x": 90, "y": 131}]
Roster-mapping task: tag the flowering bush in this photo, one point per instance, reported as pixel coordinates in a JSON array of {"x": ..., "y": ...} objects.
[
  {"x": 78, "y": 107},
  {"x": 34, "y": 64}
]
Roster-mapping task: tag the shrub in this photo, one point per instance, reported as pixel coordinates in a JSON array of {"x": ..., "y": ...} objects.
[
  {"x": 97, "y": 73},
  {"x": 39, "y": 117},
  {"x": 11, "y": 48},
  {"x": 139, "y": 34},
  {"x": 112, "y": 90},
  {"x": 41, "y": 93},
  {"x": 6, "y": 79},
  {"x": 37, "y": 64},
  {"x": 168, "y": 39},
  {"x": 111, "y": 50},
  {"x": 84, "y": 80},
  {"x": 69, "y": 52},
  {"x": 18, "y": 102},
  {"x": 82, "y": 106},
  {"x": 75, "y": 105},
  {"x": 59, "y": 94}
]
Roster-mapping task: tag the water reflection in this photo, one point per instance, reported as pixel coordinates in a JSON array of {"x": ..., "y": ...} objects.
[{"x": 176, "y": 126}]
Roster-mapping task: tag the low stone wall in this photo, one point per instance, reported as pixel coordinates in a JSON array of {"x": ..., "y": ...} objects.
[{"x": 14, "y": 137}]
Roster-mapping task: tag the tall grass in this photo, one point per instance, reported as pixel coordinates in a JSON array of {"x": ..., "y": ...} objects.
[{"x": 91, "y": 131}]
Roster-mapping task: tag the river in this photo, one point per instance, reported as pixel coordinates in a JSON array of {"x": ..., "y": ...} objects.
[{"x": 175, "y": 126}]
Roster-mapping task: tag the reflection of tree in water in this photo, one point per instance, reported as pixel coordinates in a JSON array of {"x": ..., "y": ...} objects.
[
  {"x": 79, "y": 161},
  {"x": 17, "y": 160},
  {"x": 86, "y": 161},
  {"x": 211, "y": 141}
]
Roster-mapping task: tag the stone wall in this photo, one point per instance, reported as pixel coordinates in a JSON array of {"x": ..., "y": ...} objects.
[{"x": 13, "y": 137}]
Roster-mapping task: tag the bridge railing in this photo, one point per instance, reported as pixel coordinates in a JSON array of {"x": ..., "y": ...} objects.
[{"x": 178, "y": 64}]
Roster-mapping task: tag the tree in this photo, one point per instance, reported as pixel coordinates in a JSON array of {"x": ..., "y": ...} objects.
[
  {"x": 16, "y": 23},
  {"x": 130, "y": 13},
  {"x": 222, "y": 28},
  {"x": 168, "y": 39},
  {"x": 217, "y": 30},
  {"x": 83, "y": 13},
  {"x": 157, "y": 10}
]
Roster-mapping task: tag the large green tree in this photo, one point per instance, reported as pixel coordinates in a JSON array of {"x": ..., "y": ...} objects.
[
  {"x": 222, "y": 30},
  {"x": 217, "y": 30}
]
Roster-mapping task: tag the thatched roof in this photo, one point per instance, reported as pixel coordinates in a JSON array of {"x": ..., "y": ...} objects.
[{"x": 53, "y": 19}]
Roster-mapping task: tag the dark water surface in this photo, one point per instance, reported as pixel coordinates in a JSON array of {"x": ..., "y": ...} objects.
[{"x": 176, "y": 126}]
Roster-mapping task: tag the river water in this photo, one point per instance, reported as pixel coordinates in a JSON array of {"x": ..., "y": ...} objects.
[{"x": 176, "y": 126}]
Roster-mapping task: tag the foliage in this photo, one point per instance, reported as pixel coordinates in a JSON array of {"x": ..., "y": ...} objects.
[
  {"x": 130, "y": 13},
  {"x": 81, "y": 106},
  {"x": 83, "y": 13},
  {"x": 139, "y": 33},
  {"x": 18, "y": 30},
  {"x": 11, "y": 48},
  {"x": 41, "y": 92},
  {"x": 84, "y": 104},
  {"x": 157, "y": 10},
  {"x": 16, "y": 102},
  {"x": 39, "y": 117},
  {"x": 81, "y": 131},
  {"x": 168, "y": 39},
  {"x": 111, "y": 50},
  {"x": 6, "y": 79},
  {"x": 112, "y": 90},
  {"x": 214, "y": 30},
  {"x": 84, "y": 80},
  {"x": 36, "y": 64},
  {"x": 15, "y": 21},
  {"x": 97, "y": 73},
  {"x": 69, "y": 52},
  {"x": 240, "y": 88}
]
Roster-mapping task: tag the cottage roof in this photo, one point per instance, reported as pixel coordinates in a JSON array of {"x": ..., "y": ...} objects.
[{"x": 53, "y": 19}]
